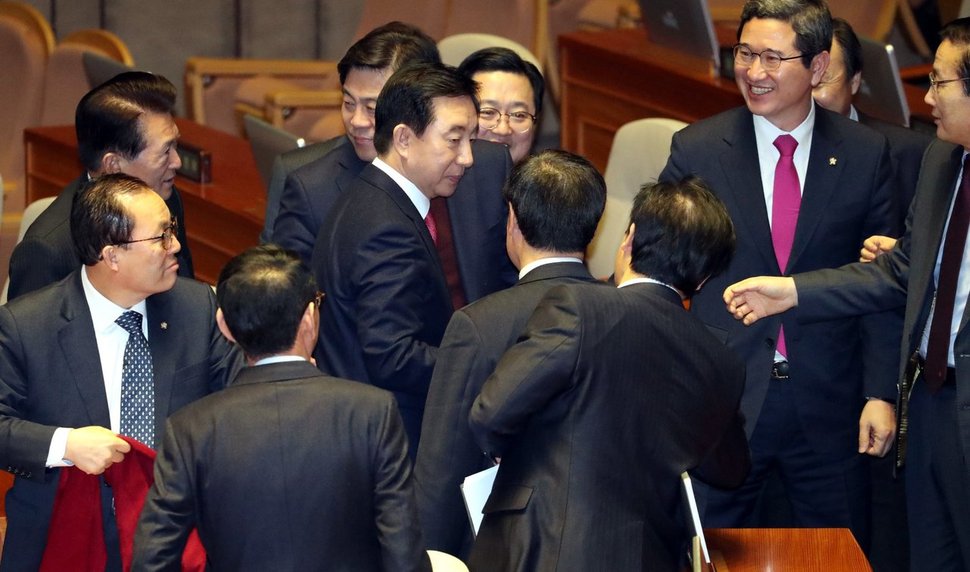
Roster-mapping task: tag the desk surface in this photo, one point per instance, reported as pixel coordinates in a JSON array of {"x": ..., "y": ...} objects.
[
  {"x": 222, "y": 218},
  {"x": 774, "y": 549}
]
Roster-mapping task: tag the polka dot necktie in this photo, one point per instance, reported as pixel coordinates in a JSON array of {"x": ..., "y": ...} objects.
[{"x": 137, "y": 387}]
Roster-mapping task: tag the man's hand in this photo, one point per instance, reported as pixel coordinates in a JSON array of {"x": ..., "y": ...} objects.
[
  {"x": 877, "y": 427},
  {"x": 755, "y": 298},
  {"x": 93, "y": 449},
  {"x": 875, "y": 246}
]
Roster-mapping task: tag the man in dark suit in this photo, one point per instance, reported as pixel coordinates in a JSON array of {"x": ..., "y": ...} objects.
[
  {"x": 555, "y": 202},
  {"x": 840, "y": 83},
  {"x": 337, "y": 494},
  {"x": 65, "y": 383},
  {"x": 809, "y": 207},
  {"x": 474, "y": 256},
  {"x": 388, "y": 301},
  {"x": 611, "y": 394},
  {"x": 919, "y": 275},
  {"x": 124, "y": 125}
]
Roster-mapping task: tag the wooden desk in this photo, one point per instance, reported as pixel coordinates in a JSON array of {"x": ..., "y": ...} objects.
[
  {"x": 612, "y": 77},
  {"x": 790, "y": 549},
  {"x": 222, "y": 218}
]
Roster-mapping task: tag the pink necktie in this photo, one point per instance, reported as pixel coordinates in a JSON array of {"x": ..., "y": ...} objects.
[
  {"x": 785, "y": 201},
  {"x": 432, "y": 227}
]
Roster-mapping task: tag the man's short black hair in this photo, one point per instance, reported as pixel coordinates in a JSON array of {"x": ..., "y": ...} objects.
[
  {"x": 389, "y": 46},
  {"x": 505, "y": 60},
  {"x": 683, "y": 234},
  {"x": 263, "y": 294},
  {"x": 107, "y": 117},
  {"x": 957, "y": 33},
  {"x": 557, "y": 198},
  {"x": 843, "y": 33},
  {"x": 99, "y": 217},
  {"x": 810, "y": 19},
  {"x": 408, "y": 98}
]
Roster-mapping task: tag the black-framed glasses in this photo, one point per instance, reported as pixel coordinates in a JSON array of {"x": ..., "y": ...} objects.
[
  {"x": 770, "y": 60},
  {"x": 935, "y": 83},
  {"x": 166, "y": 237},
  {"x": 519, "y": 121}
]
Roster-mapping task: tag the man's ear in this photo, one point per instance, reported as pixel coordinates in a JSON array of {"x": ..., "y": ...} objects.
[
  {"x": 109, "y": 254},
  {"x": 856, "y": 82},
  {"x": 112, "y": 162},
  {"x": 221, "y": 321},
  {"x": 819, "y": 64},
  {"x": 627, "y": 244},
  {"x": 401, "y": 139}
]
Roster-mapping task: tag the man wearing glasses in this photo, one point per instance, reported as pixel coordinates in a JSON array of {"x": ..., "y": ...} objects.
[
  {"x": 111, "y": 350},
  {"x": 804, "y": 187},
  {"x": 124, "y": 125}
]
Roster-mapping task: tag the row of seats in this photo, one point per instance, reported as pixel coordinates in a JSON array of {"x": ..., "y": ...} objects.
[{"x": 43, "y": 80}]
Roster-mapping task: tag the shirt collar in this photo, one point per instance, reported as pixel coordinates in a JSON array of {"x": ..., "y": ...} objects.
[
  {"x": 418, "y": 199},
  {"x": 543, "y": 261},
  {"x": 104, "y": 312},
  {"x": 767, "y": 130},
  {"x": 646, "y": 280},
  {"x": 278, "y": 359}
]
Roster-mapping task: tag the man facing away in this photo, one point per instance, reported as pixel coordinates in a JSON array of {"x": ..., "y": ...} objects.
[
  {"x": 287, "y": 469},
  {"x": 115, "y": 347},
  {"x": 927, "y": 273},
  {"x": 388, "y": 301},
  {"x": 611, "y": 394},
  {"x": 555, "y": 202},
  {"x": 804, "y": 187},
  {"x": 124, "y": 125}
]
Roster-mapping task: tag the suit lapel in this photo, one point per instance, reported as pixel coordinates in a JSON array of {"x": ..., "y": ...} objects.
[
  {"x": 164, "y": 352},
  {"x": 742, "y": 171},
  {"x": 821, "y": 180},
  {"x": 76, "y": 339}
]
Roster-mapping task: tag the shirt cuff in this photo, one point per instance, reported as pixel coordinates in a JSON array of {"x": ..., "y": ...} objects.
[{"x": 58, "y": 448}]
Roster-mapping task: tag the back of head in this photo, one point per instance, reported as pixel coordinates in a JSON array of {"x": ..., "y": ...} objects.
[
  {"x": 263, "y": 294},
  {"x": 389, "y": 46},
  {"x": 557, "y": 198},
  {"x": 408, "y": 99},
  {"x": 106, "y": 119},
  {"x": 844, "y": 35},
  {"x": 810, "y": 19},
  {"x": 99, "y": 217},
  {"x": 683, "y": 234},
  {"x": 957, "y": 33},
  {"x": 505, "y": 60}
]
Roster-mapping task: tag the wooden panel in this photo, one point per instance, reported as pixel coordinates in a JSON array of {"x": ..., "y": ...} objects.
[{"x": 802, "y": 549}]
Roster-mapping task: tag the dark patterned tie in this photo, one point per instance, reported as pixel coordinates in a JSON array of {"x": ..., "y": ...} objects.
[
  {"x": 137, "y": 386},
  {"x": 432, "y": 227},
  {"x": 786, "y": 200}
]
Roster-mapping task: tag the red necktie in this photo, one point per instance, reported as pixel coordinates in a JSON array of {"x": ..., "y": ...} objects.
[
  {"x": 785, "y": 202},
  {"x": 938, "y": 346},
  {"x": 432, "y": 227}
]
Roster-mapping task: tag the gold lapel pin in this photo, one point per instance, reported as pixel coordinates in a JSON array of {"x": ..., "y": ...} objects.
[
  {"x": 833, "y": 161},
  {"x": 164, "y": 325}
]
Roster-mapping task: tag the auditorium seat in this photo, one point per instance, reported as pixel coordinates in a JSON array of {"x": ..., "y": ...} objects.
[
  {"x": 31, "y": 213},
  {"x": 456, "y": 48},
  {"x": 639, "y": 152},
  {"x": 26, "y": 41},
  {"x": 65, "y": 79}
]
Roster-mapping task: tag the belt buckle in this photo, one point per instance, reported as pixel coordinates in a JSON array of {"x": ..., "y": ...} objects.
[{"x": 779, "y": 370}]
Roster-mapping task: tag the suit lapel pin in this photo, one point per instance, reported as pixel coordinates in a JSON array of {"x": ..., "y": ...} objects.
[
  {"x": 833, "y": 161},
  {"x": 164, "y": 325}
]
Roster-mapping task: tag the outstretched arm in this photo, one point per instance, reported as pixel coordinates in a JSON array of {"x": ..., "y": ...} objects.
[{"x": 754, "y": 298}]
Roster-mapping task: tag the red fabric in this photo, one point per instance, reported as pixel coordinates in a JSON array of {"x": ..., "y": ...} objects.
[
  {"x": 445, "y": 245},
  {"x": 75, "y": 539}
]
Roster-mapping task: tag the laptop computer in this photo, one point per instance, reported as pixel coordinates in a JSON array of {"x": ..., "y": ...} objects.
[
  {"x": 881, "y": 93},
  {"x": 682, "y": 25},
  {"x": 267, "y": 143}
]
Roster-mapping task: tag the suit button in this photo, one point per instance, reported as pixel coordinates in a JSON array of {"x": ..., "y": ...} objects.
[{"x": 770, "y": 343}]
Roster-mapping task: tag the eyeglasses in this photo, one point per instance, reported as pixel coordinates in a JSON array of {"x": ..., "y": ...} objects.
[
  {"x": 519, "y": 121},
  {"x": 935, "y": 83},
  {"x": 318, "y": 299},
  {"x": 770, "y": 60},
  {"x": 166, "y": 237}
]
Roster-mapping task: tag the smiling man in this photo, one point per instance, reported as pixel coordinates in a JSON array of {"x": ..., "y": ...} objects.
[
  {"x": 804, "y": 187},
  {"x": 124, "y": 125},
  {"x": 376, "y": 258},
  {"x": 112, "y": 350}
]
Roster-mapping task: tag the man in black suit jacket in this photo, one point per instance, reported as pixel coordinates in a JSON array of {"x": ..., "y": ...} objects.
[
  {"x": 124, "y": 125},
  {"x": 387, "y": 297},
  {"x": 324, "y": 480},
  {"x": 938, "y": 445},
  {"x": 61, "y": 355},
  {"x": 611, "y": 394},
  {"x": 556, "y": 200},
  {"x": 805, "y": 401},
  {"x": 474, "y": 217}
]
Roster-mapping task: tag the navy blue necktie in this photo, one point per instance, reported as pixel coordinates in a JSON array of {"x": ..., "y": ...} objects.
[{"x": 137, "y": 385}]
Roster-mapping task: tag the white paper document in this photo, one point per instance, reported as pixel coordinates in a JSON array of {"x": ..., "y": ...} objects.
[{"x": 475, "y": 491}]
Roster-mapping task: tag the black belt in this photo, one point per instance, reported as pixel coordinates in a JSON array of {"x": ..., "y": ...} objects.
[
  {"x": 951, "y": 374},
  {"x": 779, "y": 370}
]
